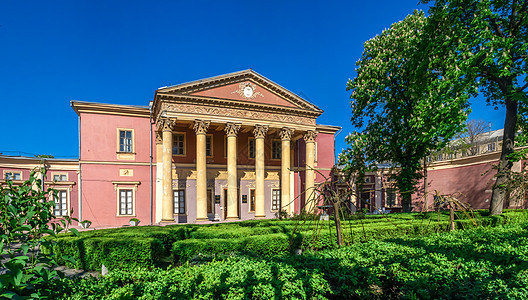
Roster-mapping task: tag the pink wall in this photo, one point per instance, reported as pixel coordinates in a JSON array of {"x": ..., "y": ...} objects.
[
  {"x": 99, "y": 136},
  {"x": 99, "y": 142},
  {"x": 471, "y": 184}
]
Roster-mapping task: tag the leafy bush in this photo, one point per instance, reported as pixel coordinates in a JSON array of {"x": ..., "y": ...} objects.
[
  {"x": 477, "y": 263},
  {"x": 92, "y": 253},
  {"x": 26, "y": 214}
]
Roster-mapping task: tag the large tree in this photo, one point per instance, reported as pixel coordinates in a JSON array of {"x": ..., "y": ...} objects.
[
  {"x": 484, "y": 44},
  {"x": 401, "y": 104}
]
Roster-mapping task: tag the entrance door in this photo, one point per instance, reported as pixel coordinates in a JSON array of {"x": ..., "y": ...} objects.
[
  {"x": 225, "y": 204},
  {"x": 237, "y": 203},
  {"x": 210, "y": 202}
]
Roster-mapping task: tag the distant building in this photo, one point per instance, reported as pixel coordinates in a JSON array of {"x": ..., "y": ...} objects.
[{"x": 454, "y": 171}]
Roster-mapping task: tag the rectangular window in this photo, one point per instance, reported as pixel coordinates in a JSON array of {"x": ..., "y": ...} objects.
[
  {"x": 61, "y": 204},
  {"x": 125, "y": 140},
  {"x": 209, "y": 145},
  {"x": 390, "y": 199},
  {"x": 276, "y": 150},
  {"x": 252, "y": 200},
  {"x": 251, "y": 148},
  {"x": 125, "y": 202},
  {"x": 491, "y": 147},
  {"x": 178, "y": 144},
  {"x": 60, "y": 177},
  {"x": 12, "y": 176},
  {"x": 179, "y": 202},
  {"x": 275, "y": 199}
]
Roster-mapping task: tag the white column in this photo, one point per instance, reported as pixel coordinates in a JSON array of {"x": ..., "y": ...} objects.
[
  {"x": 309, "y": 186},
  {"x": 285, "y": 134},
  {"x": 231, "y": 130},
  {"x": 200, "y": 127},
  {"x": 168, "y": 198},
  {"x": 260, "y": 134}
]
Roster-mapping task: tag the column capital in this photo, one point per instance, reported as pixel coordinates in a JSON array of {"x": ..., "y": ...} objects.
[
  {"x": 232, "y": 129},
  {"x": 260, "y": 131},
  {"x": 159, "y": 138},
  {"x": 286, "y": 133},
  {"x": 201, "y": 126},
  {"x": 165, "y": 124},
  {"x": 310, "y": 136}
]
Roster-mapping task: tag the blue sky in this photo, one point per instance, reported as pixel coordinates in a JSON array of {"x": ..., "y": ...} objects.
[{"x": 120, "y": 52}]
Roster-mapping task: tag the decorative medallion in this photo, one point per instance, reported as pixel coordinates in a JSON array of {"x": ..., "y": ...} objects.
[{"x": 247, "y": 90}]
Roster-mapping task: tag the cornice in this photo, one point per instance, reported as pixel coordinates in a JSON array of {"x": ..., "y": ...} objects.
[{"x": 111, "y": 109}]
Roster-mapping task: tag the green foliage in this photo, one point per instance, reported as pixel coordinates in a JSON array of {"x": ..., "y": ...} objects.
[
  {"x": 114, "y": 253},
  {"x": 401, "y": 104},
  {"x": 482, "y": 44},
  {"x": 480, "y": 263},
  {"x": 25, "y": 216}
]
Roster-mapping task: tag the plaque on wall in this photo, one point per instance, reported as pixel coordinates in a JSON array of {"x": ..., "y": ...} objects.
[
  {"x": 217, "y": 199},
  {"x": 244, "y": 198}
]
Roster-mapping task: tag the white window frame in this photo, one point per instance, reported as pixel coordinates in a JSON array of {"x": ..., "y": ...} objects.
[
  {"x": 12, "y": 172},
  {"x": 275, "y": 206},
  {"x": 132, "y": 144},
  {"x": 178, "y": 213},
  {"x": 66, "y": 202}
]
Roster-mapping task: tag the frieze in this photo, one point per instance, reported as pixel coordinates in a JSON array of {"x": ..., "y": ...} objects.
[{"x": 238, "y": 113}]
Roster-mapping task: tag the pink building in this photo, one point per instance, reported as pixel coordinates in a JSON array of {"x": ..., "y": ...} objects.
[
  {"x": 61, "y": 175},
  {"x": 231, "y": 147}
]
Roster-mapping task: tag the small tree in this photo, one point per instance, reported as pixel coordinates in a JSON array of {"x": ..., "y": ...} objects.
[
  {"x": 469, "y": 140},
  {"x": 26, "y": 215}
]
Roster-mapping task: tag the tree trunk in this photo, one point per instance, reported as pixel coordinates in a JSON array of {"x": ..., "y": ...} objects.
[
  {"x": 406, "y": 202},
  {"x": 452, "y": 216},
  {"x": 426, "y": 206},
  {"x": 338, "y": 223},
  {"x": 499, "y": 193}
]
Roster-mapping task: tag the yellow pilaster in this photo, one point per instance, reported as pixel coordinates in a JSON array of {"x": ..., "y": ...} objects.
[
  {"x": 231, "y": 130},
  {"x": 310, "y": 194},
  {"x": 260, "y": 134},
  {"x": 285, "y": 134},
  {"x": 167, "y": 214},
  {"x": 201, "y": 169},
  {"x": 159, "y": 176}
]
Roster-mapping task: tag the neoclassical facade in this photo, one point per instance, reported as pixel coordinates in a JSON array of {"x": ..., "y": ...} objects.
[{"x": 230, "y": 147}]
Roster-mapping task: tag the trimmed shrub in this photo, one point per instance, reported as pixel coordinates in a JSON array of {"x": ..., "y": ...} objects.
[{"x": 92, "y": 253}]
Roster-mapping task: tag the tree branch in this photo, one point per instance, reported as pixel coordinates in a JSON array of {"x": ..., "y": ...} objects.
[{"x": 496, "y": 27}]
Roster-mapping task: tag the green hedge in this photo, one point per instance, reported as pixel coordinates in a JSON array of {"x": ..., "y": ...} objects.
[
  {"x": 149, "y": 245},
  {"x": 485, "y": 263},
  {"x": 91, "y": 253}
]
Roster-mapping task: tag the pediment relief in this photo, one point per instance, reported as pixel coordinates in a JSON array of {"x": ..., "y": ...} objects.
[{"x": 245, "y": 88}]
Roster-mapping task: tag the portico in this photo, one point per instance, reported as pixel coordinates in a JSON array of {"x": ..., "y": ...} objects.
[{"x": 228, "y": 142}]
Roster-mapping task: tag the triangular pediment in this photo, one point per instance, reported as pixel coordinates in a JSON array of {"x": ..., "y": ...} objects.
[{"x": 244, "y": 87}]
